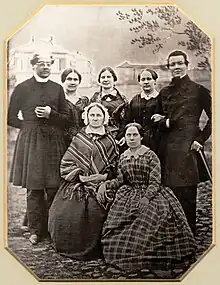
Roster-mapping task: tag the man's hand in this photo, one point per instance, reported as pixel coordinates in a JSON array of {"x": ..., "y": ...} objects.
[
  {"x": 43, "y": 112},
  {"x": 196, "y": 146},
  {"x": 157, "y": 117}
]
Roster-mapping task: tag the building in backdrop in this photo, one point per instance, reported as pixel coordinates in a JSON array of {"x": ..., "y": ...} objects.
[
  {"x": 128, "y": 72},
  {"x": 20, "y": 69},
  {"x": 19, "y": 61}
]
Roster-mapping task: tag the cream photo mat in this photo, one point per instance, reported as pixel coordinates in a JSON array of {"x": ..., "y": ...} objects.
[{"x": 13, "y": 16}]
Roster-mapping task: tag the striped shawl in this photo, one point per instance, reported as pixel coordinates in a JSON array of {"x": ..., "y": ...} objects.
[{"x": 88, "y": 155}]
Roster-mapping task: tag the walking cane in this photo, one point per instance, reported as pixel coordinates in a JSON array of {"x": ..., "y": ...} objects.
[{"x": 205, "y": 164}]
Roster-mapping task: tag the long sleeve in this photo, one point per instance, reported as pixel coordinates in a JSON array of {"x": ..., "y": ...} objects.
[
  {"x": 61, "y": 117},
  {"x": 69, "y": 170},
  {"x": 134, "y": 109},
  {"x": 114, "y": 184},
  {"x": 128, "y": 118},
  {"x": 154, "y": 181},
  {"x": 14, "y": 107},
  {"x": 124, "y": 120},
  {"x": 162, "y": 124},
  {"x": 206, "y": 104}
]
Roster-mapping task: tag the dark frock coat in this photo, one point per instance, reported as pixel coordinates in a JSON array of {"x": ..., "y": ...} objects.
[
  {"x": 40, "y": 143},
  {"x": 182, "y": 102}
]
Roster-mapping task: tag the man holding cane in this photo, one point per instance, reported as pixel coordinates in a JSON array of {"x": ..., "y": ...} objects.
[{"x": 179, "y": 107}]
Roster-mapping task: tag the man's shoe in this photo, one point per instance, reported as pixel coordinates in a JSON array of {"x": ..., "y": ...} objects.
[{"x": 33, "y": 239}]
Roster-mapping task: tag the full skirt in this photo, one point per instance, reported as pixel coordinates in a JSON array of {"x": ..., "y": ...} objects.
[
  {"x": 157, "y": 238},
  {"x": 75, "y": 223}
]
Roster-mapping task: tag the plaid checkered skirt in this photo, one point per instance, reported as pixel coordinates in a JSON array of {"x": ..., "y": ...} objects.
[{"x": 157, "y": 238}]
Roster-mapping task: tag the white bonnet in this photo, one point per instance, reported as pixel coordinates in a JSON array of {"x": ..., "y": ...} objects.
[{"x": 95, "y": 104}]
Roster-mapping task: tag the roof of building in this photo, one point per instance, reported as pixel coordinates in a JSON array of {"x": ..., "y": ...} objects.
[
  {"x": 126, "y": 64},
  {"x": 79, "y": 56},
  {"x": 45, "y": 44}
]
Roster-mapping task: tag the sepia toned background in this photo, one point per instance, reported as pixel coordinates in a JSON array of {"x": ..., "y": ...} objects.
[{"x": 15, "y": 14}]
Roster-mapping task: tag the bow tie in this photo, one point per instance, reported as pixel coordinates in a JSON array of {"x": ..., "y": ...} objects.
[{"x": 108, "y": 97}]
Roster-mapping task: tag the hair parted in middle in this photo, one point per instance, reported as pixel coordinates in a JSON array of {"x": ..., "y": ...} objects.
[
  {"x": 111, "y": 70},
  {"x": 136, "y": 125},
  {"x": 152, "y": 72},
  {"x": 67, "y": 71},
  {"x": 98, "y": 105}
]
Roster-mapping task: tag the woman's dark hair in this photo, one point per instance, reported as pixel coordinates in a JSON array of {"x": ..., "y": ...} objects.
[
  {"x": 152, "y": 72},
  {"x": 178, "y": 53},
  {"x": 67, "y": 71},
  {"x": 136, "y": 125},
  {"x": 108, "y": 68}
]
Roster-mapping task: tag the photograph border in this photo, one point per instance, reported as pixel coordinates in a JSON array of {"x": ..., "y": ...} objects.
[{"x": 214, "y": 199}]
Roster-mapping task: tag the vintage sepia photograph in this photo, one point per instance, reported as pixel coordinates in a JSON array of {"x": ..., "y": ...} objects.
[{"x": 109, "y": 143}]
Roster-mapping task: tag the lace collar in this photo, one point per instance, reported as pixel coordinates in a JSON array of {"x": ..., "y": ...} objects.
[
  {"x": 149, "y": 96},
  {"x": 139, "y": 152},
  {"x": 99, "y": 131}
]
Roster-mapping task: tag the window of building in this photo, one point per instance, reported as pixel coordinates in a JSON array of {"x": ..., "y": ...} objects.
[{"x": 62, "y": 65}]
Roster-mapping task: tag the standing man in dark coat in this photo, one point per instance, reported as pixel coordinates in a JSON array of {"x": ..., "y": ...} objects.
[
  {"x": 40, "y": 143},
  {"x": 180, "y": 105}
]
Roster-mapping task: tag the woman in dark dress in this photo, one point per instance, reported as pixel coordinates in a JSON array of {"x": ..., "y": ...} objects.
[
  {"x": 75, "y": 217},
  {"x": 146, "y": 227},
  {"x": 71, "y": 80},
  {"x": 143, "y": 106},
  {"x": 112, "y": 99}
]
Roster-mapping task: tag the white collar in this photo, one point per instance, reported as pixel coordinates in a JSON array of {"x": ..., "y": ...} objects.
[
  {"x": 97, "y": 131},
  {"x": 139, "y": 152},
  {"x": 73, "y": 99},
  {"x": 113, "y": 93},
  {"x": 180, "y": 76},
  {"x": 183, "y": 76},
  {"x": 149, "y": 96},
  {"x": 39, "y": 79}
]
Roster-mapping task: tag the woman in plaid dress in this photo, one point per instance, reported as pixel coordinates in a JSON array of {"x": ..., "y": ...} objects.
[{"x": 146, "y": 226}]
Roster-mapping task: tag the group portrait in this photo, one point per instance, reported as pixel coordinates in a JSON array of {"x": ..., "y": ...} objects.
[{"x": 109, "y": 143}]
